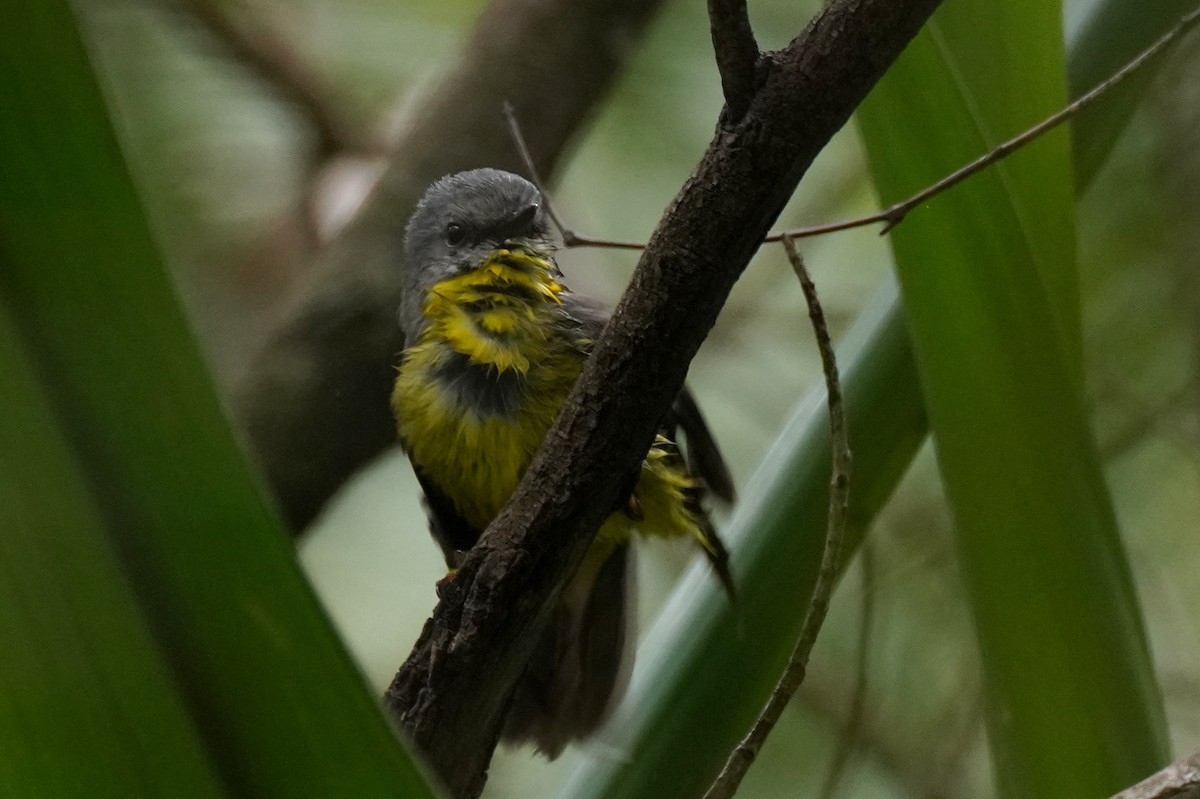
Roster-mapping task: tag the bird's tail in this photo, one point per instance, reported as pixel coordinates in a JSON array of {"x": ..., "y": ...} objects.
[{"x": 581, "y": 663}]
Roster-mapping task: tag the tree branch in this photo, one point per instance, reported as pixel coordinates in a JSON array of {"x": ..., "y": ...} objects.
[
  {"x": 452, "y": 693},
  {"x": 255, "y": 41},
  {"x": 736, "y": 53},
  {"x": 313, "y": 400}
]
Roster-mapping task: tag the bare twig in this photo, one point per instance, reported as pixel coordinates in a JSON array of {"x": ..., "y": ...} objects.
[
  {"x": 518, "y": 137},
  {"x": 573, "y": 239},
  {"x": 858, "y": 704},
  {"x": 744, "y": 755},
  {"x": 895, "y": 214},
  {"x": 736, "y": 54},
  {"x": 1180, "y": 780},
  {"x": 569, "y": 237}
]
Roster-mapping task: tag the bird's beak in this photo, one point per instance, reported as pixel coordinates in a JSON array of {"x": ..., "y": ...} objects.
[{"x": 516, "y": 229}]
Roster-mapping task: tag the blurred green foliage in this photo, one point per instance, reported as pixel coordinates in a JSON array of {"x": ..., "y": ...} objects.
[
  {"x": 990, "y": 284},
  {"x": 103, "y": 380}
]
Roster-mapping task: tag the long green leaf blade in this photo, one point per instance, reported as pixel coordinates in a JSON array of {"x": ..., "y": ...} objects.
[
  {"x": 987, "y": 273},
  {"x": 278, "y": 701},
  {"x": 87, "y": 705}
]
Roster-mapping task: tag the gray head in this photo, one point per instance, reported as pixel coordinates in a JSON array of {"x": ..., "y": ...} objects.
[{"x": 461, "y": 220}]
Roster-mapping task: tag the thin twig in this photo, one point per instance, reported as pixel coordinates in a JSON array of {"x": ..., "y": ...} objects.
[
  {"x": 573, "y": 239},
  {"x": 569, "y": 237},
  {"x": 743, "y": 756},
  {"x": 895, "y": 214},
  {"x": 736, "y": 53},
  {"x": 514, "y": 129},
  {"x": 858, "y": 703}
]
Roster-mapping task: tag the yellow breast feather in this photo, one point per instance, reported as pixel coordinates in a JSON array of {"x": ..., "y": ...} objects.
[
  {"x": 507, "y": 316},
  {"x": 497, "y": 314}
]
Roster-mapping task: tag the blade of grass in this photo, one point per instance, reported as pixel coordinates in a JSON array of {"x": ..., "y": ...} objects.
[
  {"x": 278, "y": 702},
  {"x": 988, "y": 275}
]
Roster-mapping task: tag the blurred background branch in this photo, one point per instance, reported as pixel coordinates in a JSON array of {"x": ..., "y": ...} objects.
[
  {"x": 258, "y": 39},
  {"x": 258, "y": 42}
]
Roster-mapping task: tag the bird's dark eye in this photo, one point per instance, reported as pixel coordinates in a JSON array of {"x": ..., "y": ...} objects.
[{"x": 455, "y": 233}]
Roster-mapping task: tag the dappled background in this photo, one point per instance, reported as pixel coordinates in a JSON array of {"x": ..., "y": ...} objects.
[{"x": 245, "y": 177}]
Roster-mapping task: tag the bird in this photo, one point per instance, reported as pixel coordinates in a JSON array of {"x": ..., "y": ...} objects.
[{"x": 494, "y": 341}]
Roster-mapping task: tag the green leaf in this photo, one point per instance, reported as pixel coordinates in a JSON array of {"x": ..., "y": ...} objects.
[
  {"x": 87, "y": 705},
  {"x": 988, "y": 278},
  {"x": 277, "y": 701}
]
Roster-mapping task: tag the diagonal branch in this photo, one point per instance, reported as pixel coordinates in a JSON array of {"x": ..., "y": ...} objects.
[
  {"x": 313, "y": 400},
  {"x": 451, "y": 694},
  {"x": 736, "y": 53},
  {"x": 262, "y": 49}
]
